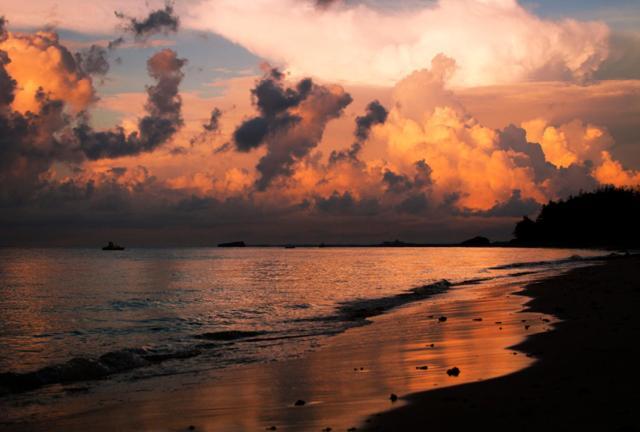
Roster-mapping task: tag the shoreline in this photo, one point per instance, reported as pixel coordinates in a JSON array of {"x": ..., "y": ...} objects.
[
  {"x": 584, "y": 377},
  {"x": 352, "y": 374},
  {"x": 349, "y": 377}
]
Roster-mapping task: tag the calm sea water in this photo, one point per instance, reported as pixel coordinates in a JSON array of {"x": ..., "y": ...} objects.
[{"x": 59, "y": 304}]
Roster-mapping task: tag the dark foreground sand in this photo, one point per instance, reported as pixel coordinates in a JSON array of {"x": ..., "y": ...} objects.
[{"x": 587, "y": 376}]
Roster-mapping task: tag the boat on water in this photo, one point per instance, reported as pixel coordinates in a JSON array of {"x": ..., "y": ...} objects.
[{"x": 113, "y": 247}]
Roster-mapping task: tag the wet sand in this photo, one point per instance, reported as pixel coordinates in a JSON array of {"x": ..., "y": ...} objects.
[
  {"x": 351, "y": 376},
  {"x": 586, "y": 377}
]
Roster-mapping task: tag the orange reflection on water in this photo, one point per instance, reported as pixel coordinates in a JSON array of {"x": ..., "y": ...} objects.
[{"x": 345, "y": 381}]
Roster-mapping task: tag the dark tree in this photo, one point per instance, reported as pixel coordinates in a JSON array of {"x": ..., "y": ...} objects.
[{"x": 607, "y": 217}]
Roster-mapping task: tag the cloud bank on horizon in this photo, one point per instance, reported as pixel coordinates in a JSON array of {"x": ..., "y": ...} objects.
[{"x": 432, "y": 123}]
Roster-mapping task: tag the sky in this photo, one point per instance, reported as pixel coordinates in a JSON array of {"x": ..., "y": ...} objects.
[{"x": 306, "y": 121}]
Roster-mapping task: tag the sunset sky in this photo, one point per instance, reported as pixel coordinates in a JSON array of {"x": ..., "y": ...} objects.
[{"x": 202, "y": 121}]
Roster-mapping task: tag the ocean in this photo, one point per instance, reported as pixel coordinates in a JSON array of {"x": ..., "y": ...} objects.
[{"x": 69, "y": 315}]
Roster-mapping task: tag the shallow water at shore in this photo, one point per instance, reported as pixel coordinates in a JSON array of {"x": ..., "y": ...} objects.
[
  {"x": 380, "y": 278},
  {"x": 350, "y": 377}
]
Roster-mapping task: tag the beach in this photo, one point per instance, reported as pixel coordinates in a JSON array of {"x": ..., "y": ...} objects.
[
  {"x": 584, "y": 377},
  {"x": 492, "y": 331}
]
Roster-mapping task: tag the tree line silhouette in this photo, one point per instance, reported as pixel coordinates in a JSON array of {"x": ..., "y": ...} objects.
[{"x": 607, "y": 217}]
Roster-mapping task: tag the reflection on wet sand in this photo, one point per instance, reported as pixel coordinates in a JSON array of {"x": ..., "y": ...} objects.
[{"x": 341, "y": 384}]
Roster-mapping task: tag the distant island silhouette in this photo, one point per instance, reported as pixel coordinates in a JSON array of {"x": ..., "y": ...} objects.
[
  {"x": 607, "y": 217},
  {"x": 113, "y": 247},
  {"x": 478, "y": 241},
  {"x": 234, "y": 244}
]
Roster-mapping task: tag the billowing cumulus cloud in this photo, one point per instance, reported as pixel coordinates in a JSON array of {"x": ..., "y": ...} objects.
[
  {"x": 41, "y": 64},
  {"x": 43, "y": 118},
  {"x": 162, "y": 121},
  {"x": 611, "y": 172},
  {"x": 483, "y": 167},
  {"x": 493, "y": 42},
  {"x": 291, "y": 123}
]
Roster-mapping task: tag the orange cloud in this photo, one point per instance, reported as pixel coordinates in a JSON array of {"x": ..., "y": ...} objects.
[
  {"x": 611, "y": 172},
  {"x": 570, "y": 143},
  {"x": 40, "y": 62}
]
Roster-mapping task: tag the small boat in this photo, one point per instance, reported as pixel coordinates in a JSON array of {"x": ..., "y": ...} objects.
[{"x": 113, "y": 247}]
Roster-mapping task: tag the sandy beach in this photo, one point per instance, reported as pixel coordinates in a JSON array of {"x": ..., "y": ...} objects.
[
  {"x": 584, "y": 379},
  {"x": 487, "y": 335}
]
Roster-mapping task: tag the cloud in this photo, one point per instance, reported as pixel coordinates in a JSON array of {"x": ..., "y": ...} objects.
[
  {"x": 214, "y": 121},
  {"x": 414, "y": 204},
  {"x": 42, "y": 65},
  {"x": 29, "y": 142},
  {"x": 376, "y": 114},
  {"x": 610, "y": 105},
  {"x": 211, "y": 127},
  {"x": 400, "y": 183},
  {"x": 483, "y": 166},
  {"x": 94, "y": 60},
  {"x": 346, "y": 204},
  {"x": 623, "y": 62},
  {"x": 514, "y": 207},
  {"x": 573, "y": 142},
  {"x": 291, "y": 122},
  {"x": 493, "y": 42},
  {"x": 611, "y": 172},
  {"x": 158, "y": 21},
  {"x": 162, "y": 121}
]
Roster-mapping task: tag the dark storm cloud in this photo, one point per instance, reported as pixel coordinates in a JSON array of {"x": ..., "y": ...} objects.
[
  {"x": 515, "y": 138},
  {"x": 273, "y": 101},
  {"x": 375, "y": 114},
  {"x": 195, "y": 203},
  {"x": 29, "y": 142},
  {"x": 32, "y": 142},
  {"x": 159, "y": 21},
  {"x": 162, "y": 121},
  {"x": 563, "y": 181},
  {"x": 572, "y": 179},
  {"x": 93, "y": 60},
  {"x": 400, "y": 183},
  {"x": 414, "y": 204},
  {"x": 346, "y": 204},
  {"x": 251, "y": 134},
  {"x": 514, "y": 206},
  {"x": 290, "y": 123},
  {"x": 7, "y": 84}
]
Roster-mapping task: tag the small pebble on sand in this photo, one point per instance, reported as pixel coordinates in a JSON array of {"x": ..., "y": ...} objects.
[{"x": 454, "y": 371}]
